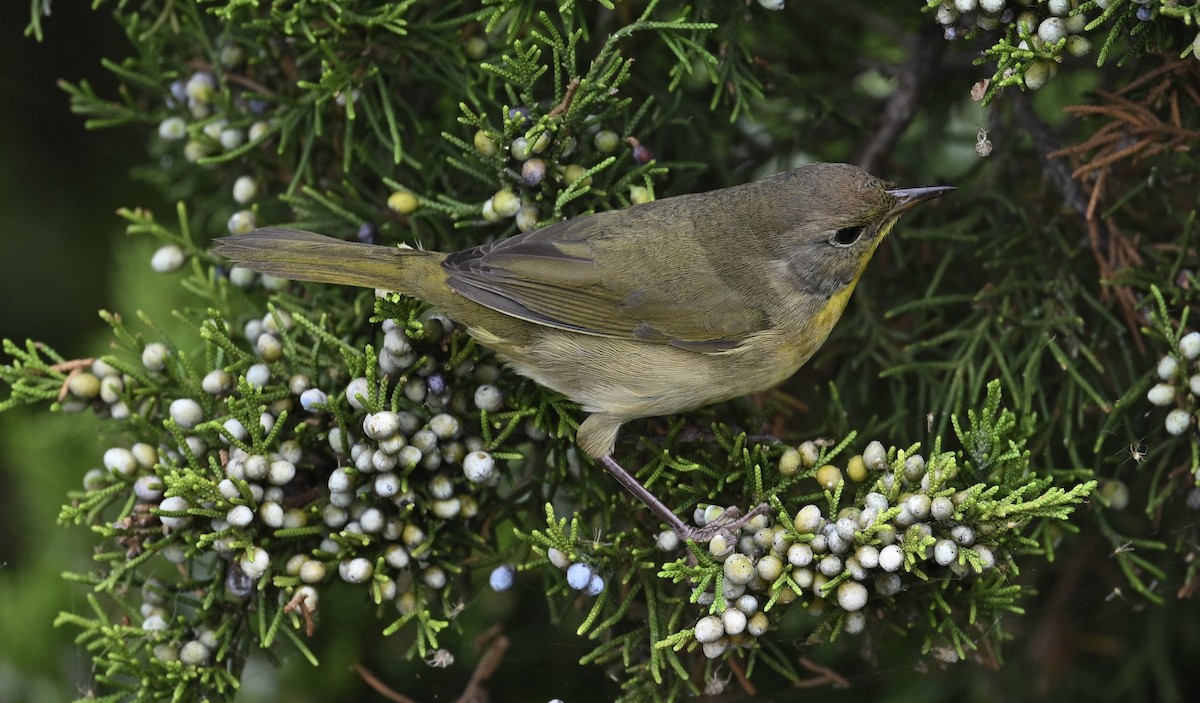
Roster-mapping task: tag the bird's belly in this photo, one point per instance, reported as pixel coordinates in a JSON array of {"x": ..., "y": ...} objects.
[{"x": 631, "y": 379}]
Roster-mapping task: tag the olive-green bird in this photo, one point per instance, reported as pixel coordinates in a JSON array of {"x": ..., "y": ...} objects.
[{"x": 650, "y": 310}]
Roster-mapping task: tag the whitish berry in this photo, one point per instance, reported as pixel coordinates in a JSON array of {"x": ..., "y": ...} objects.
[
  {"x": 434, "y": 577},
  {"x": 963, "y": 535},
  {"x": 1177, "y": 421},
  {"x": 186, "y": 412},
  {"x": 773, "y": 5},
  {"x": 217, "y": 382},
  {"x": 120, "y": 461},
  {"x": 478, "y": 466},
  {"x": 258, "y": 375},
  {"x": 558, "y": 558},
  {"x": 281, "y": 472},
  {"x": 667, "y": 541},
  {"x": 501, "y": 578},
  {"x": 268, "y": 347},
  {"x": 1167, "y": 367},
  {"x": 445, "y": 426},
  {"x": 709, "y": 629},
  {"x": 239, "y": 516},
  {"x": 733, "y": 621},
  {"x": 578, "y": 576},
  {"x": 381, "y": 425},
  {"x": 272, "y": 514},
  {"x": 875, "y": 456},
  {"x": 800, "y": 554},
  {"x": 941, "y": 508},
  {"x": 148, "y": 488},
  {"x": 355, "y": 390},
  {"x": 241, "y": 222},
  {"x": 1161, "y": 394},
  {"x": 595, "y": 586},
  {"x": 111, "y": 388},
  {"x": 255, "y": 563},
  {"x": 739, "y": 569},
  {"x": 356, "y": 570},
  {"x": 918, "y": 506},
  {"x": 769, "y": 568},
  {"x": 891, "y": 558},
  {"x": 808, "y": 520},
  {"x": 488, "y": 397},
  {"x": 167, "y": 258},
  {"x": 245, "y": 189},
  {"x": 172, "y": 129},
  {"x": 1189, "y": 345},
  {"x": 945, "y": 551},
  {"x": 242, "y": 278},
  {"x": 231, "y": 138},
  {"x": 808, "y": 453},
  {"x": 527, "y": 218},
  {"x": 312, "y": 398},
  {"x": 1051, "y": 30},
  {"x": 851, "y": 595},
  {"x": 830, "y": 565},
  {"x": 256, "y": 467}
]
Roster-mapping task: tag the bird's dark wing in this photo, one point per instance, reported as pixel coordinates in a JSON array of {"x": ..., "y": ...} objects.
[{"x": 576, "y": 275}]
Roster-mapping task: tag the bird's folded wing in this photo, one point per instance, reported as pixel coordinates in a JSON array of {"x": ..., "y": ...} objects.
[{"x": 558, "y": 276}]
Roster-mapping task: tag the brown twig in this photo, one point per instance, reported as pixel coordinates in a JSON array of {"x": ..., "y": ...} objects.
[
  {"x": 382, "y": 688},
  {"x": 73, "y": 368},
  {"x": 1136, "y": 129},
  {"x": 488, "y": 664},
  {"x": 1046, "y": 144},
  {"x": 924, "y": 54},
  {"x": 565, "y": 103},
  {"x": 297, "y": 603},
  {"x": 825, "y": 676}
]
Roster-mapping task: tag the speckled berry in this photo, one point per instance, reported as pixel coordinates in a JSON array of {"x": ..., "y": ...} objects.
[
  {"x": 709, "y": 629},
  {"x": 356, "y": 570},
  {"x": 1177, "y": 421},
  {"x": 578, "y": 576}
]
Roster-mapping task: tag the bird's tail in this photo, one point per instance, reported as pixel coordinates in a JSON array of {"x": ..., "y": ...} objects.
[{"x": 307, "y": 256}]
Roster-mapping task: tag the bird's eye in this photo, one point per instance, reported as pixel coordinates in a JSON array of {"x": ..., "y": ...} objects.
[{"x": 846, "y": 236}]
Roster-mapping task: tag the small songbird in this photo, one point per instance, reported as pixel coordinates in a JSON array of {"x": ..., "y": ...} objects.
[{"x": 651, "y": 310}]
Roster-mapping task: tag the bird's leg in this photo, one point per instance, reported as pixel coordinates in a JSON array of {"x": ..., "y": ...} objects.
[{"x": 732, "y": 519}]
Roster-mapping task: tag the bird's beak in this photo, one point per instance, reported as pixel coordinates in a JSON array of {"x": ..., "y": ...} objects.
[{"x": 908, "y": 197}]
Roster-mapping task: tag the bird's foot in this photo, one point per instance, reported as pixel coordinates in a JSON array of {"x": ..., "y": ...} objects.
[{"x": 727, "y": 524}]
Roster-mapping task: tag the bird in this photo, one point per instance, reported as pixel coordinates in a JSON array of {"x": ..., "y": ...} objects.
[{"x": 650, "y": 310}]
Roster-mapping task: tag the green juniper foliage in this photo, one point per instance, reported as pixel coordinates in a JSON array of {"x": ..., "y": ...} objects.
[{"x": 296, "y": 451}]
